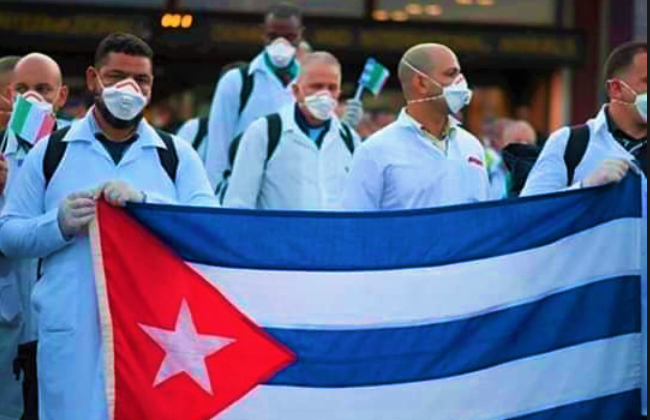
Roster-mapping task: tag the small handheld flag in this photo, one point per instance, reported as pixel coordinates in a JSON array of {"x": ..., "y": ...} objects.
[
  {"x": 374, "y": 78},
  {"x": 31, "y": 122}
]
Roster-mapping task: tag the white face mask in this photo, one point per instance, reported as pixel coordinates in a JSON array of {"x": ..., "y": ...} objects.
[
  {"x": 457, "y": 95},
  {"x": 321, "y": 105},
  {"x": 281, "y": 53},
  {"x": 641, "y": 102},
  {"x": 124, "y": 100},
  {"x": 39, "y": 101},
  {"x": 642, "y": 106}
]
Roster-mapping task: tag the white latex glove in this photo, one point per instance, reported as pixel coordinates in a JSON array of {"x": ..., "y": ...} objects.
[
  {"x": 354, "y": 112},
  {"x": 119, "y": 193},
  {"x": 75, "y": 214},
  {"x": 609, "y": 172}
]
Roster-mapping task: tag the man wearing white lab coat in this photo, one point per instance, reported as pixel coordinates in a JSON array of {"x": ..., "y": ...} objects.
[
  {"x": 618, "y": 141},
  {"x": 38, "y": 78},
  {"x": 113, "y": 154},
  {"x": 252, "y": 92},
  {"x": 425, "y": 159},
  {"x": 308, "y": 168}
]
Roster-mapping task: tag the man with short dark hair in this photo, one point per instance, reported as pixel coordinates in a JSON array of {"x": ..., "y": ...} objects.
[
  {"x": 609, "y": 146},
  {"x": 251, "y": 92},
  {"x": 114, "y": 154},
  {"x": 617, "y": 137}
]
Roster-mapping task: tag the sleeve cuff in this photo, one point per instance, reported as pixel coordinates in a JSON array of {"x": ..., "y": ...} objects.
[{"x": 53, "y": 237}]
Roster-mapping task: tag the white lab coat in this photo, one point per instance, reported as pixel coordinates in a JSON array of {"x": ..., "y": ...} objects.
[
  {"x": 550, "y": 175},
  {"x": 399, "y": 168},
  {"x": 18, "y": 321},
  {"x": 299, "y": 176},
  {"x": 70, "y": 354},
  {"x": 188, "y": 132},
  {"x": 268, "y": 97}
]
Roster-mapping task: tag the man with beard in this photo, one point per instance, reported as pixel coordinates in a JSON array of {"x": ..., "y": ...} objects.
[{"x": 113, "y": 153}]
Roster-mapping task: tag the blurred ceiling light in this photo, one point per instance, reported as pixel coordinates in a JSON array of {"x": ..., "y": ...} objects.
[
  {"x": 434, "y": 10},
  {"x": 399, "y": 16},
  {"x": 187, "y": 21},
  {"x": 465, "y": 2},
  {"x": 381, "y": 15},
  {"x": 415, "y": 9},
  {"x": 486, "y": 2}
]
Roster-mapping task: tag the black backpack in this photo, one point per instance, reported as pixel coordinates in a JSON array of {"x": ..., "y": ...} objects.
[
  {"x": 248, "y": 85},
  {"x": 274, "y": 123},
  {"x": 202, "y": 132},
  {"x": 520, "y": 159},
  {"x": 56, "y": 149}
]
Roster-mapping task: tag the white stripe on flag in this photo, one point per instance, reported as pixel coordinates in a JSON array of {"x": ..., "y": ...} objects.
[
  {"x": 524, "y": 387},
  {"x": 433, "y": 295},
  {"x": 33, "y": 125}
]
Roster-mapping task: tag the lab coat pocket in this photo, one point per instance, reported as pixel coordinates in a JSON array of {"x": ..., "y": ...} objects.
[
  {"x": 10, "y": 306},
  {"x": 56, "y": 370},
  {"x": 54, "y": 298}
]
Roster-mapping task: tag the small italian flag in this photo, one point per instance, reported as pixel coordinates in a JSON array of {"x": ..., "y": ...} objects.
[
  {"x": 31, "y": 122},
  {"x": 374, "y": 77}
]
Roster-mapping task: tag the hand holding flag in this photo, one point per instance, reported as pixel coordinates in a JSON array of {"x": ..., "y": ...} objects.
[{"x": 374, "y": 78}]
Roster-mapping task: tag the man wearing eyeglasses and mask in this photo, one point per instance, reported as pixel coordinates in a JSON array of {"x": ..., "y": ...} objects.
[
  {"x": 425, "y": 159},
  {"x": 114, "y": 154}
]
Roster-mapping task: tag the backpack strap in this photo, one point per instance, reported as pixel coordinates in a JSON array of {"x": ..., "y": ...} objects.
[
  {"x": 248, "y": 84},
  {"x": 348, "y": 137},
  {"x": 576, "y": 150},
  {"x": 201, "y": 133},
  {"x": 275, "y": 133},
  {"x": 54, "y": 153},
  {"x": 169, "y": 155}
]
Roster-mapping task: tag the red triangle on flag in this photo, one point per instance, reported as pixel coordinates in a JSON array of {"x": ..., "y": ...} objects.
[{"x": 176, "y": 348}]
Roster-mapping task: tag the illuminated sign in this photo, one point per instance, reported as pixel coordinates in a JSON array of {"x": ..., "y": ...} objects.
[
  {"x": 76, "y": 25},
  {"x": 177, "y": 21},
  {"x": 175, "y": 30},
  {"x": 497, "y": 44}
]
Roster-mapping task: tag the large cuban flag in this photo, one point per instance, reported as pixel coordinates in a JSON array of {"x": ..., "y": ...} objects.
[{"x": 528, "y": 310}]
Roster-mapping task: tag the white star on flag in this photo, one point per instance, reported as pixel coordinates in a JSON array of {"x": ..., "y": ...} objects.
[{"x": 186, "y": 350}]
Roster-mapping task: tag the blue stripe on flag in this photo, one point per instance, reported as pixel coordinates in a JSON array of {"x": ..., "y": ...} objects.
[
  {"x": 625, "y": 406},
  {"x": 384, "y": 241},
  {"x": 356, "y": 358}
]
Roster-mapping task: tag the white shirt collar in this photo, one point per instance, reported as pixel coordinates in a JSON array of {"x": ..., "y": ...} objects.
[
  {"x": 406, "y": 120},
  {"x": 85, "y": 129}
]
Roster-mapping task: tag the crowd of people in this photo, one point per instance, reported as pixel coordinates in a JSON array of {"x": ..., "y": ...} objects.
[{"x": 277, "y": 139}]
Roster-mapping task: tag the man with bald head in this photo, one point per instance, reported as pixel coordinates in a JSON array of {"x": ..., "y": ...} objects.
[
  {"x": 297, "y": 159},
  {"x": 425, "y": 159},
  {"x": 38, "y": 79}
]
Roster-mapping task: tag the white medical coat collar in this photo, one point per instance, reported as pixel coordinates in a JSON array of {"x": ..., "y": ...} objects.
[
  {"x": 600, "y": 122},
  {"x": 85, "y": 129},
  {"x": 289, "y": 123}
]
